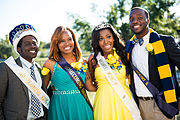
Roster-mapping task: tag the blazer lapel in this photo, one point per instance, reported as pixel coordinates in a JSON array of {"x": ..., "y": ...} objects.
[
  {"x": 18, "y": 61},
  {"x": 150, "y": 64}
]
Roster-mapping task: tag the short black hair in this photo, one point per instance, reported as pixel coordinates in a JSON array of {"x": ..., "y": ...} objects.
[{"x": 139, "y": 8}]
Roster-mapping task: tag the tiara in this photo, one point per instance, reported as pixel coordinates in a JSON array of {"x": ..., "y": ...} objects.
[{"x": 102, "y": 25}]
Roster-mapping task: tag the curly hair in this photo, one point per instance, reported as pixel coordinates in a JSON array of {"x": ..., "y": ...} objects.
[
  {"x": 119, "y": 46},
  {"x": 55, "y": 53}
]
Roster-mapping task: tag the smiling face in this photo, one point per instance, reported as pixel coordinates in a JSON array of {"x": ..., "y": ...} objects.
[
  {"x": 106, "y": 41},
  {"x": 66, "y": 44},
  {"x": 139, "y": 22},
  {"x": 28, "y": 48}
]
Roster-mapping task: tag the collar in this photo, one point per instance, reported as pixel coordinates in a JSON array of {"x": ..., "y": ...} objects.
[
  {"x": 26, "y": 63},
  {"x": 146, "y": 38}
]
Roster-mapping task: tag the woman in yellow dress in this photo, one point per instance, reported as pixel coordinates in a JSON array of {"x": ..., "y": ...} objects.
[{"x": 109, "y": 68}]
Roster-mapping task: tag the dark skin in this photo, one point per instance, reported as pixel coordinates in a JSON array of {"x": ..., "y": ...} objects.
[
  {"x": 139, "y": 23},
  {"x": 29, "y": 48},
  {"x": 66, "y": 46}
]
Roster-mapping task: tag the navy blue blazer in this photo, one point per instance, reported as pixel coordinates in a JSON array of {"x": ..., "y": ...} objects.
[{"x": 173, "y": 53}]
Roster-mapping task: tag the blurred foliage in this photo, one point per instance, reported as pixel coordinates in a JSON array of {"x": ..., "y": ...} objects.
[
  {"x": 84, "y": 29},
  {"x": 43, "y": 49},
  {"x": 6, "y": 49},
  {"x": 161, "y": 19}
]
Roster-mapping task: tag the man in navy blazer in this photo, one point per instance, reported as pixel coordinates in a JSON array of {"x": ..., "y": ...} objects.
[
  {"x": 15, "y": 97},
  {"x": 155, "y": 56}
]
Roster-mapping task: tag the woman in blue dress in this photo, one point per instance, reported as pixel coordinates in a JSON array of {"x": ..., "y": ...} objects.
[{"x": 69, "y": 77}]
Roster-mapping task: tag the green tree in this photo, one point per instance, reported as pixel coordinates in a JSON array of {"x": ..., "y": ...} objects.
[
  {"x": 161, "y": 19},
  {"x": 84, "y": 29},
  {"x": 118, "y": 17},
  {"x": 43, "y": 47},
  {"x": 6, "y": 49}
]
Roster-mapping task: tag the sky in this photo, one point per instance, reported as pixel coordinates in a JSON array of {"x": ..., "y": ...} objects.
[{"x": 47, "y": 15}]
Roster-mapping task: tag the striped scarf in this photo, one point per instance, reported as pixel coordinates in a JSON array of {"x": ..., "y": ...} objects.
[{"x": 162, "y": 66}]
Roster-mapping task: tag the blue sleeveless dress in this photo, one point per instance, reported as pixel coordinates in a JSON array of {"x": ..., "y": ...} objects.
[{"x": 67, "y": 103}]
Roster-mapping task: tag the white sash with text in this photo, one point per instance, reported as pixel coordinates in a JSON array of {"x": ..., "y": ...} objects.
[
  {"x": 130, "y": 104},
  {"x": 28, "y": 81}
]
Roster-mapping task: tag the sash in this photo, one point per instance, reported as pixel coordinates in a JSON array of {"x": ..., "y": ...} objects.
[
  {"x": 76, "y": 79},
  {"x": 162, "y": 62},
  {"x": 169, "y": 109},
  {"x": 130, "y": 104},
  {"x": 28, "y": 81}
]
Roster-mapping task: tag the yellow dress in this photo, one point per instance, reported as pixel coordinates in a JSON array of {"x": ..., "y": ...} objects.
[{"x": 107, "y": 104}]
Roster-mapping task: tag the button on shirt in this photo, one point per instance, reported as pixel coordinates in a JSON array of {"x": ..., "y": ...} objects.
[
  {"x": 26, "y": 66},
  {"x": 140, "y": 60}
]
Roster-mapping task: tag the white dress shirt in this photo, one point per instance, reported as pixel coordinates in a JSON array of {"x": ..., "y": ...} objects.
[
  {"x": 140, "y": 60},
  {"x": 26, "y": 66}
]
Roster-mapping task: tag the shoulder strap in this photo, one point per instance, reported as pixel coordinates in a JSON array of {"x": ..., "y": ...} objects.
[
  {"x": 165, "y": 107},
  {"x": 28, "y": 81},
  {"x": 76, "y": 79},
  {"x": 112, "y": 79}
]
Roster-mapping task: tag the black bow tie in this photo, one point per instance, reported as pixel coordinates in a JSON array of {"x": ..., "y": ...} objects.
[{"x": 140, "y": 41}]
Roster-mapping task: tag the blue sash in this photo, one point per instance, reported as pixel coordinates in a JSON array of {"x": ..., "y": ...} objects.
[
  {"x": 76, "y": 79},
  {"x": 165, "y": 107},
  {"x": 162, "y": 62}
]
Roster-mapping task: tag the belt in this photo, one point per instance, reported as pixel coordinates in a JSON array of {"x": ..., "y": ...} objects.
[{"x": 146, "y": 98}]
